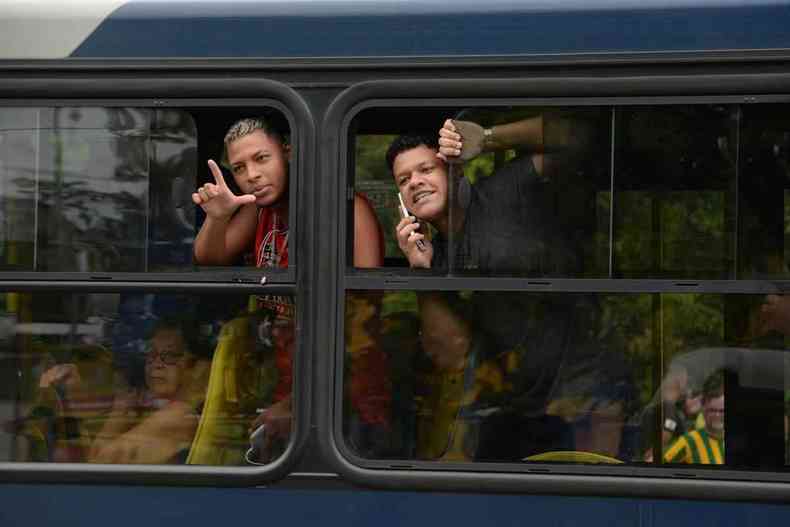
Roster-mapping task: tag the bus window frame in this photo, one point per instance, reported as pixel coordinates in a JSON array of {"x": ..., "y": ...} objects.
[
  {"x": 587, "y": 89},
  {"x": 113, "y": 89}
]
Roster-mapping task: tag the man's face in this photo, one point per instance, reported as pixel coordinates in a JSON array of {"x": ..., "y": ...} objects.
[
  {"x": 422, "y": 180},
  {"x": 714, "y": 414},
  {"x": 259, "y": 164},
  {"x": 166, "y": 364}
]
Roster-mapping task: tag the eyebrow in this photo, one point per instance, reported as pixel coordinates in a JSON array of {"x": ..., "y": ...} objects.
[
  {"x": 419, "y": 165},
  {"x": 262, "y": 151}
]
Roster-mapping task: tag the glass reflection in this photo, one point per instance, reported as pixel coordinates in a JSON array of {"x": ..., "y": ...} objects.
[
  {"x": 503, "y": 377},
  {"x": 675, "y": 169},
  {"x": 656, "y": 379},
  {"x": 76, "y": 185},
  {"x": 134, "y": 379},
  {"x": 764, "y": 200}
]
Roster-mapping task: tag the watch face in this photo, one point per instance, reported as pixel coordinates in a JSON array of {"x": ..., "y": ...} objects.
[{"x": 670, "y": 424}]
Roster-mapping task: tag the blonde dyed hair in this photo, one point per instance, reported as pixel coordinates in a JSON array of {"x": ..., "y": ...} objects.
[{"x": 246, "y": 126}]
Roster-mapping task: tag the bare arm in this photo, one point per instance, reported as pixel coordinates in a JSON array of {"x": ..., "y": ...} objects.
[
  {"x": 221, "y": 240},
  {"x": 230, "y": 221},
  {"x": 464, "y": 140},
  {"x": 157, "y": 439},
  {"x": 368, "y": 250}
]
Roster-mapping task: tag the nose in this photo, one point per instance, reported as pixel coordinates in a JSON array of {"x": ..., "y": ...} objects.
[
  {"x": 253, "y": 172},
  {"x": 416, "y": 179}
]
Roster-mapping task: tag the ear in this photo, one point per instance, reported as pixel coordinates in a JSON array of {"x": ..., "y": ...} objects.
[{"x": 287, "y": 151}]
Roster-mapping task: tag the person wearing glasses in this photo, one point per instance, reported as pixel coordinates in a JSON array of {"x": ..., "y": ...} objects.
[{"x": 156, "y": 425}]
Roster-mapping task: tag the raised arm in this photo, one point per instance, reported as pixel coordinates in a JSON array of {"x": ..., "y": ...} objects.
[
  {"x": 465, "y": 140},
  {"x": 230, "y": 222}
]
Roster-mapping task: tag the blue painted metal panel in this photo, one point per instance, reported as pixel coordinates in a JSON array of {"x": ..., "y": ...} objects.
[
  {"x": 324, "y": 29},
  {"x": 68, "y": 505}
]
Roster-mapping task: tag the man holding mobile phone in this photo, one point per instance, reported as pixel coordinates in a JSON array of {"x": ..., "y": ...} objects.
[{"x": 507, "y": 224}]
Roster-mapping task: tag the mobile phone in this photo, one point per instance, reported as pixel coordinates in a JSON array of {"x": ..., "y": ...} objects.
[
  {"x": 257, "y": 438},
  {"x": 404, "y": 212}
]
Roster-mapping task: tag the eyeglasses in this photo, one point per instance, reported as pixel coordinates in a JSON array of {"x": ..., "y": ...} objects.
[{"x": 169, "y": 358}]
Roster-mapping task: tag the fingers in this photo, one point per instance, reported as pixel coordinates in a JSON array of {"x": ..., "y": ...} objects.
[
  {"x": 405, "y": 227},
  {"x": 450, "y": 141},
  {"x": 205, "y": 193},
  {"x": 258, "y": 421},
  {"x": 60, "y": 374},
  {"x": 216, "y": 172},
  {"x": 449, "y": 133},
  {"x": 414, "y": 237},
  {"x": 245, "y": 198}
]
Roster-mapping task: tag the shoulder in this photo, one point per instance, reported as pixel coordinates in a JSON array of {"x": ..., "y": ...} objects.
[{"x": 362, "y": 208}]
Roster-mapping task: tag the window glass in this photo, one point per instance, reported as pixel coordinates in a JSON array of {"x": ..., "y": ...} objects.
[
  {"x": 77, "y": 186},
  {"x": 90, "y": 189},
  {"x": 674, "y": 204},
  {"x": 145, "y": 378},
  {"x": 480, "y": 376},
  {"x": 764, "y": 192},
  {"x": 531, "y": 199}
]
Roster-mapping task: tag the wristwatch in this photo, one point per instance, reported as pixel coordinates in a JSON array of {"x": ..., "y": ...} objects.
[{"x": 488, "y": 137}]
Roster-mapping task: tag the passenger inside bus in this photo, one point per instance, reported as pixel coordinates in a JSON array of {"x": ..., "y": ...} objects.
[
  {"x": 153, "y": 424},
  {"x": 254, "y": 225},
  {"x": 703, "y": 445},
  {"x": 559, "y": 388}
]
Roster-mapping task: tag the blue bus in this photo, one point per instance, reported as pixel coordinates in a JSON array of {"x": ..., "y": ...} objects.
[{"x": 597, "y": 307}]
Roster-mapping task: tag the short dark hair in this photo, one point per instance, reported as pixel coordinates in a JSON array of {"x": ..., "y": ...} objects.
[
  {"x": 406, "y": 142},
  {"x": 714, "y": 386},
  {"x": 186, "y": 327}
]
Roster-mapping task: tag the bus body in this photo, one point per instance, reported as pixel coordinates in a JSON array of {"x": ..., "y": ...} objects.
[{"x": 664, "y": 154}]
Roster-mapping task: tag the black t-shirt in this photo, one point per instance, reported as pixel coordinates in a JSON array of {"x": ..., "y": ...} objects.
[{"x": 511, "y": 227}]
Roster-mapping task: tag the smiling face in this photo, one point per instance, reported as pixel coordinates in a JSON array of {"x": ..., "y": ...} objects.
[
  {"x": 166, "y": 364},
  {"x": 259, "y": 163},
  {"x": 422, "y": 180},
  {"x": 713, "y": 409}
]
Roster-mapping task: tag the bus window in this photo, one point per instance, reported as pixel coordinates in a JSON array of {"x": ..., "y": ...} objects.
[
  {"x": 555, "y": 186},
  {"x": 96, "y": 189},
  {"x": 138, "y": 377},
  {"x": 623, "y": 341},
  {"x": 110, "y": 189},
  {"x": 141, "y": 379},
  {"x": 580, "y": 381}
]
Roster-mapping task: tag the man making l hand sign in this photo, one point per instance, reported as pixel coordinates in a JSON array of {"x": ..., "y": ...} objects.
[{"x": 258, "y": 158}]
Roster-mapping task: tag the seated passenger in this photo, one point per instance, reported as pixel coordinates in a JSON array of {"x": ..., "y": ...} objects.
[
  {"x": 255, "y": 226},
  {"x": 703, "y": 446},
  {"x": 674, "y": 421},
  {"x": 563, "y": 389},
  {"x": 71, "y": 401},
  {"x": 157, "y": 424}
]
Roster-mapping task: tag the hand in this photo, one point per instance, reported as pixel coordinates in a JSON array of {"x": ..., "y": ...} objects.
[
  {"x": 407, "y": 234},
  {"x": 216, "y": 199},
  {"x": 460, "y": 141},
  {"x": 277, "y": 419},
  {"x": 65, "y": 375}
]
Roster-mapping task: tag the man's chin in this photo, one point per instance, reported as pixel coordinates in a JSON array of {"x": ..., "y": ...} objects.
[{"x": 268, "y": 200}]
